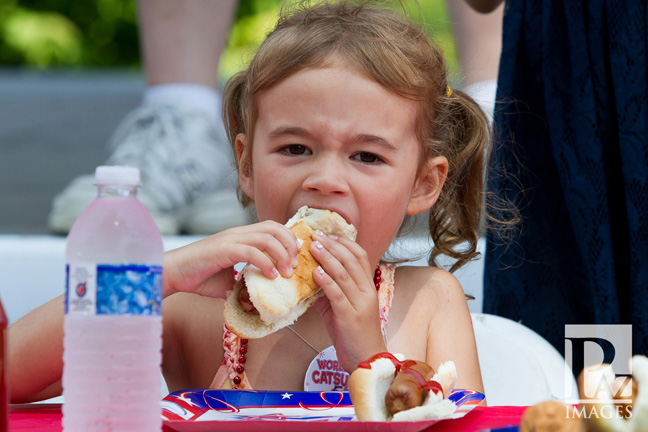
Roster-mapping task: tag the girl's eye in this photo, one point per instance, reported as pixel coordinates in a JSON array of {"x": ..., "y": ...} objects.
[
  {"x": 294, "y": 149},
  {"x": 368, "y": 158}
]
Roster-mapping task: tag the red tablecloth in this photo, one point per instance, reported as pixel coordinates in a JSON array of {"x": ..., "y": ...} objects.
[
  {"x": 47, "y": 418},
  {"x": 35, "y": 417}
]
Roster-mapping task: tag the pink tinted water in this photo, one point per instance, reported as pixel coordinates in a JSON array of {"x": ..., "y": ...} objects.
[
  {"x": 115, "y": 231},
  {"x": 111, "y": 378}
]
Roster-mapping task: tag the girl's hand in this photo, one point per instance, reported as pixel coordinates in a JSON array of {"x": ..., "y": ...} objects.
[
  {"x": 206, "y": 267},
  {"x": 350, "y": 307}
]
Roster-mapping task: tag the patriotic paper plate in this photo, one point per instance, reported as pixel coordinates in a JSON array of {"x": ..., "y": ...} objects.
[{"x": 249, "y": 410}]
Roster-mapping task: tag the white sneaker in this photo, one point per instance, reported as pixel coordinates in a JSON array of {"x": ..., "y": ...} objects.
[
  {"x": 183, "y": 159},
  {"x": 217, "y": 211}
]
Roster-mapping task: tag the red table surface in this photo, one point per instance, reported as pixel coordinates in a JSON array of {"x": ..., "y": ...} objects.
[{"x": 47, "y": 418}]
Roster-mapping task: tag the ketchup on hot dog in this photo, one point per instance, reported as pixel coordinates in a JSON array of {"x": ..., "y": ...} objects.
[
  {"x": 431, "y": 385},
  {"x": 408, "y": 390}
]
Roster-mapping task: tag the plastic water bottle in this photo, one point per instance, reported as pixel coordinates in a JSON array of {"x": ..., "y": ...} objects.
[{"x": 113, "y": 312}]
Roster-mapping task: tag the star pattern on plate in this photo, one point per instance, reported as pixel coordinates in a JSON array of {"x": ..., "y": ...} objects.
[{"x": 286, "y": 396}]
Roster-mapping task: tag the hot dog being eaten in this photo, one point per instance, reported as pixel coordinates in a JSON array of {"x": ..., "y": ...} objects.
[
  {"x": 258, "y": 306},
  {"x": 387, "y": 388}
]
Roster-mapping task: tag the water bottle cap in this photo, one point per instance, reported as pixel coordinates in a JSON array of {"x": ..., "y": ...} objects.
[{"x": 117, "y": 175}]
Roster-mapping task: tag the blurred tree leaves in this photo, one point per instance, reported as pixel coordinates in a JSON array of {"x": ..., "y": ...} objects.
[
  {"x": 254, "y": 19},
  {"x": 62, "y": 43},
  {"x": 103, "y": 33},
  {"x": 44, "y": 33}
]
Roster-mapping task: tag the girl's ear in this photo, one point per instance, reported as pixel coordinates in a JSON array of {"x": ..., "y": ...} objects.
[
  {"x": 244, "y": 162},
  {"x": 428, "y": 185}
]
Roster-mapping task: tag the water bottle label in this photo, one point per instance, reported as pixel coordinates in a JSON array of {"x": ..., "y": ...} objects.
[
  {"x": 81, "y": 292},
  {"x": 114, "y": 289}
]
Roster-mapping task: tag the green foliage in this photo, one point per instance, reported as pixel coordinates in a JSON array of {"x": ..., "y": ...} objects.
[
  {"x": 432, "y": 15},
  {"x": 46, "y": 33},
  {"x": 257, "y": 17},
  {"x": 82, "y": 33},
  {"x": 22, "y": 34}
]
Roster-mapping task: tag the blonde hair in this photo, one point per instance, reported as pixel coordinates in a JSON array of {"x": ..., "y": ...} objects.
[{"x": 397, "y": 54}]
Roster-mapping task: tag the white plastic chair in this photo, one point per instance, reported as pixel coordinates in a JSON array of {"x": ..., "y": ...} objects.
[{"x": 519, "y": 367}]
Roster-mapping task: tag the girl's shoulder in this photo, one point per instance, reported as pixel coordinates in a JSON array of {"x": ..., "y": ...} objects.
[
  {"x": 424, "y": 299},
  {"x": 434, "y": 281},
  {"x": 428, "y": 292},
  {"x": 434, "y": 322}
]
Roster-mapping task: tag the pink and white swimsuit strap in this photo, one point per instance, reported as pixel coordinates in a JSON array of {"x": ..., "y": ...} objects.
[{"x": 386, "y": 294}]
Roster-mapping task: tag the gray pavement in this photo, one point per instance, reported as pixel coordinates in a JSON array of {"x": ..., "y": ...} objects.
[{"x": 54, "y": 126}]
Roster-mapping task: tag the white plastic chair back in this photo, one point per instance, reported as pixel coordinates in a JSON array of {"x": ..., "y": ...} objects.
[{"x": 519, "y": 367}]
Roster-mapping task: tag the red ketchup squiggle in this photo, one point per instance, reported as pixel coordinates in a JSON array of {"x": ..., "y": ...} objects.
[
  {"x": 366, "y": 364},
  {"x": 405, "y": 367},
  {"x": 434, "y": 387},
  {"x": 416, "y": 374}
]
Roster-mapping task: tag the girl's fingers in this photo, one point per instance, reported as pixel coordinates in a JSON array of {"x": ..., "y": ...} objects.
[
  {"x": 290, "y": 243},
  {"x": 332, "y": 291},
  {"x": 276, "y": 253},
  {"x": 277, "y": 241},
  {"x": 341, "y": 274},
  {"x": 350, "y": 305},
  {"x": 257, "y": 258},
  {"x": 284, "y": 235},
  {"x": 358, "y": 252},
  {"x": 349, "y": 254}
]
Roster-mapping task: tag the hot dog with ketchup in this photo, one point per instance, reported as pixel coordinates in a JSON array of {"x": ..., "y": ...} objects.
[
  {"x": 386, "y": 387},
  {"x": 409, "y": 386}
]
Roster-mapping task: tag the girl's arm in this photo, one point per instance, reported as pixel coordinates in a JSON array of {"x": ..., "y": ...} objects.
[
  {"x": 205, "y": 268},
  {"x": 35, "y": 358},
  {"x": 36, "y": 348},
  {"x": 430, "y": 321},
  {"x": 451, "y": 335}
]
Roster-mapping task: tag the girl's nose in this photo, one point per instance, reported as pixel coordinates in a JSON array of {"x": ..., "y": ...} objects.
[{"x": 326, "y": 177}]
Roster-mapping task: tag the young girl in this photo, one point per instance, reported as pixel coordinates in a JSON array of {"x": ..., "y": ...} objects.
[{"x": 346, "y": 108}]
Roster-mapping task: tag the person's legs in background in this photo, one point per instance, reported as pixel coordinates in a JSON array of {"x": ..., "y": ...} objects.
[
  {"x": 478, "y": 39},
  {"x": 183, "y": 41},
  {"x": 176, "y": 137}
]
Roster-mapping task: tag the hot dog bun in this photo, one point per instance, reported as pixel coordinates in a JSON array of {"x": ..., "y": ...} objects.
[
  {"x": 368, "y": 387},
  {"x": 282, "y": 300}
]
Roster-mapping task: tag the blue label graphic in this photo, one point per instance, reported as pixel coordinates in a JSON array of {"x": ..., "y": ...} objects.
[{"x": 129, "y": 290}]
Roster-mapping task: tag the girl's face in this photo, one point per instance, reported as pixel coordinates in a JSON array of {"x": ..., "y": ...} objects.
[{"x": 332, "y": 138}]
